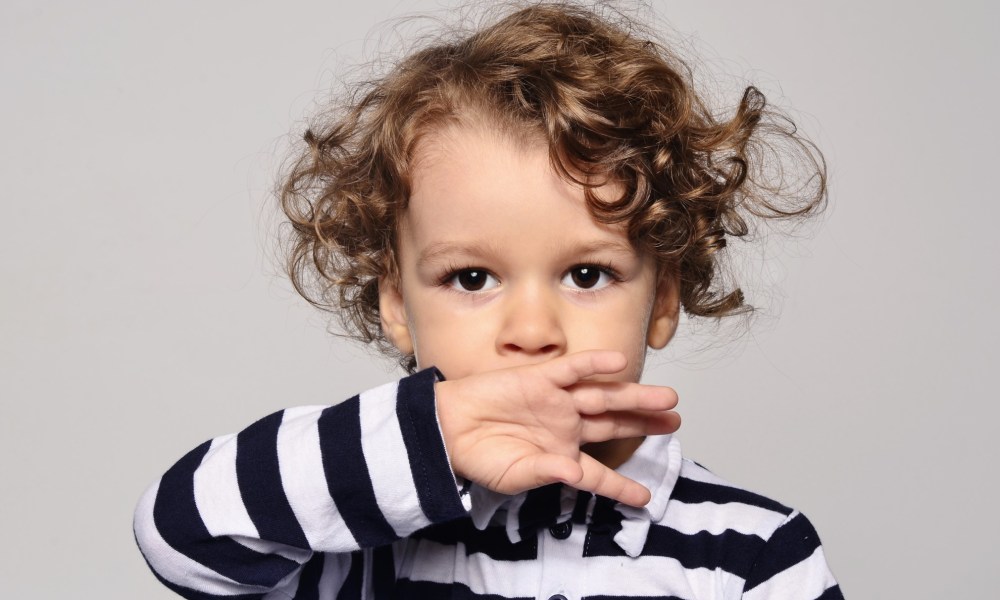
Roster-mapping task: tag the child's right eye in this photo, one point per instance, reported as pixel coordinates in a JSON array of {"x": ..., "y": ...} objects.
[{"x": 472, "y": 280}]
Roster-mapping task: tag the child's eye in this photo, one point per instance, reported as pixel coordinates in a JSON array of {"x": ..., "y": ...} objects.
[
  {"x": 472, "y": 280},
  {"x": 588, "y": 277}
]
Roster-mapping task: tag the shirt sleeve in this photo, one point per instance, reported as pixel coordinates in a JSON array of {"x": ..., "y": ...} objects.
[
  {"x": 242, "y": 514},
  {"x": 792, "y": 566}
]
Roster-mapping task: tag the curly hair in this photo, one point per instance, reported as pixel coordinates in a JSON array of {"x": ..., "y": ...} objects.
[{"x": 609, "y": 104}]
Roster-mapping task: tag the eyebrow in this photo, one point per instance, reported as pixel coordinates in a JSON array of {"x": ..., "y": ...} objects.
[{"x": 438, "y": 251}]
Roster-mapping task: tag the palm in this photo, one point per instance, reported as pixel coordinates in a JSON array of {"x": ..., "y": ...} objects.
[{"x": 517, "y": 429}]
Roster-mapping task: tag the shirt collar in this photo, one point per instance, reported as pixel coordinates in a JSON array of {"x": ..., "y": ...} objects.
[{"x": 656, "y": 464}]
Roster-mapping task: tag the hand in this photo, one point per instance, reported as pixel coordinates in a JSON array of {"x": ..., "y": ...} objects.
[{"x": 516, "y": 429}]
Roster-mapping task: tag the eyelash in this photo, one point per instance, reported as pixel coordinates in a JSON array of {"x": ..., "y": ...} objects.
[
  {"x": 605, "y": 269},
  {"x": 452, "y": 275},
  {"x": 452, "y": 272}
]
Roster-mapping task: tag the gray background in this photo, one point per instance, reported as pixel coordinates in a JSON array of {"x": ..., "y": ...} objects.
[{"x": 142, "y": 312}]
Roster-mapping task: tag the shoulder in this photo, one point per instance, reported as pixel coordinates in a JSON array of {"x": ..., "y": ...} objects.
[
  {"x": 757, "y": 539},
  {"x": 719, "y": 505}
]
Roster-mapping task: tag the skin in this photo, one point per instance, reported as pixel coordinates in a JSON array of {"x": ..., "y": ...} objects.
[{"x": 538, "y": 316}]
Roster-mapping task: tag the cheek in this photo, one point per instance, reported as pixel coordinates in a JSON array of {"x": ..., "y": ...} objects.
[
  {"x": 634, "y": 347},
  {"x": 450, "y": 342},
  {"x": 637, "y": 360},
  {"x": 632, "y": 324},
  {"x": 623, "y": 330}
]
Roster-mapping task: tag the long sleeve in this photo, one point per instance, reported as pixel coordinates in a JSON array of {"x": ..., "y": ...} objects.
[
  {"x": 240, "y": 515},
  {"x": 792, "y": 566}
]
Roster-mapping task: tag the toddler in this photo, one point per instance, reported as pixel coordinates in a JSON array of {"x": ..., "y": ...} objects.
[{"x": 517, "y": 215}]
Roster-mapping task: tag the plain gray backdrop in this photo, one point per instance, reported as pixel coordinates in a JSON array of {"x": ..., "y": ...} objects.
[{"x": 142, "y": 312}]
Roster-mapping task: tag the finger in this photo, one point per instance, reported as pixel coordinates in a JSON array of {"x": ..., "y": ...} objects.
[
  {"x": 603, "y": 481},
  {"x": 619, "y": 425},
  {"x": 596, "y": 397},
  {"x": 537, "y": 470},
  {"x": 567, "y": 370}
]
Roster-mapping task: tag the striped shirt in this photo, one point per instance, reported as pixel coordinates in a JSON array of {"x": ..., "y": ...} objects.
[{"x": 358, "y": 501}]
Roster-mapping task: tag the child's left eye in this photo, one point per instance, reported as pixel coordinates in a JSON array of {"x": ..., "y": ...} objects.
[{"x": 588, "y": 277}]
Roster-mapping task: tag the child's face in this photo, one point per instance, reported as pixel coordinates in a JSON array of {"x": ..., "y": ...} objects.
[{"x": 501, "y": 265}]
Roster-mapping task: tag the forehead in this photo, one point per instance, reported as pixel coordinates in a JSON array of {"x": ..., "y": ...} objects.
[{"x": 482, "y": 180}]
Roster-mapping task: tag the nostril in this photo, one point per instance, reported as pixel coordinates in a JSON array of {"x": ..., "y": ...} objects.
[
  {"x": 547, "y": 349},
  {"x": 531, "y": 328}
]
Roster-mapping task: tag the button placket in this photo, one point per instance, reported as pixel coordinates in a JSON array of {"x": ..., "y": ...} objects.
[{"x": 562, "y": 547}]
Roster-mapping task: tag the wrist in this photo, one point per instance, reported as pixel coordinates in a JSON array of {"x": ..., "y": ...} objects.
[{"x": 443, "y": 397}]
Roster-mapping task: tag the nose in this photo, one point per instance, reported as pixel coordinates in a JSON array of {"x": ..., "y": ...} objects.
[{"x": 531, "y": 324}]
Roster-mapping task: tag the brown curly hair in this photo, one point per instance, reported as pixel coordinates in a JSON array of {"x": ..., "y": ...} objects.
[{"x": 610, "y": 105}]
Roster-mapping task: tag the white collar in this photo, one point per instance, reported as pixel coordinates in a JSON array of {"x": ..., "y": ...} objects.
[{"x": 656, "y": 464}]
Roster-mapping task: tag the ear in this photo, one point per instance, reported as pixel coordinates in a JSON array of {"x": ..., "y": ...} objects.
[
  {"x": 666, "y": 311},
  {"x": 392, "y": 313}
]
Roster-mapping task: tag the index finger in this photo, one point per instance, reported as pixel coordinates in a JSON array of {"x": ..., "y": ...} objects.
[{"x": 604, "y": 481}]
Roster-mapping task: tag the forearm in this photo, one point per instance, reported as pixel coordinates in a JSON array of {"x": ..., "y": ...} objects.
[{"x": 242, "y": 513}]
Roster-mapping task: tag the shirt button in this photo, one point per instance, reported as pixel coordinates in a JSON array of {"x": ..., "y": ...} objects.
[
  {"x": 557, "y": 597},
  {"x": 561, "y": 531}
]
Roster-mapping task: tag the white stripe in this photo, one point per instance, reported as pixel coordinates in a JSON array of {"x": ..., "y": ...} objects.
[
  {"x": 174, "y": 566},
  {"x": 217, "y": 492},
  {"x": 300, "y": 463},
  {"x": 600, "y": 575},
  {"x": 807, "y": 579},
  {"x": 717, "y": 518},
  {"x": 220, "y": 502},
  {"x": 386, "y": 457},
  {"x": 299, "y": 555},
  {"x": 425, "y": 560},
  {"x": 651, "y": 575}
]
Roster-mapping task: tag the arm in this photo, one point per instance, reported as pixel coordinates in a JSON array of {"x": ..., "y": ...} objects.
[
  {"x": 241, "y": 514},
  {"x": 792, "y": 566}
]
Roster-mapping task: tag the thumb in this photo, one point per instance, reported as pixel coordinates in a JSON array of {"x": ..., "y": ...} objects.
[{"x": 537, "y": 470}]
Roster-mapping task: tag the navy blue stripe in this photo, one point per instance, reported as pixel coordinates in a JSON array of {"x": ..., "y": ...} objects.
[
  {"x": 175, "y": 512},
  {"x": 541, "y": 508},
  {"x": 831, "y": 593},
  {"x": 351, "y": 588},
  {"x": 632, "y": 598},
  {"x": 690, "y": 491},
  {"x": 605, "y": 519},
  {"x": 426, "y": 590},
  {"x": 417, "y": 414},
  {"x": 492, "y": 541},
  {"x": 580, "y": 507},
  {"x": 176, "y": 516},
  {"x": 196, "y": 595},
  {"x": 383, "y": 573},
  {"x": 730, "y": 551},
  {"x": 260, "y": 483},
  {"x": 347, "y": 474},
  {"x": 790, "y": 544},
  {"x": 312, "y": 571}
]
